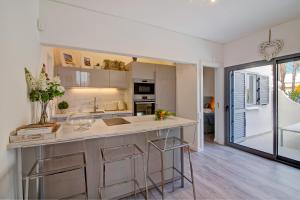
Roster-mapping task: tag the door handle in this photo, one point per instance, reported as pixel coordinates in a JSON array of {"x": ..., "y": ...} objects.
[{"x": 227, "y": 108}]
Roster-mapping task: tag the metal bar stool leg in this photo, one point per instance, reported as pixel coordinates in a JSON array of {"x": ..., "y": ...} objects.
[
  {"x": 148, "y": 156},
  {"x": 145, "y": 177},
  {"x": 85, "y": 177},
  {"x": 192, "y": 174},
  {"x": 26, "y": 188},
  {"x": 134, "y": 177},
  {"x": 173, "y": 170},
  {"x": 162, "y": 175}
]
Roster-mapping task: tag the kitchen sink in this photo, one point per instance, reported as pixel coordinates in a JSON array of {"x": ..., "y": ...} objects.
[{"x": 115, "y": 121}]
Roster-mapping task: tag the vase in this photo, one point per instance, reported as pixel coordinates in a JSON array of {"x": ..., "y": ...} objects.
[{"x": 44, "y": 114}]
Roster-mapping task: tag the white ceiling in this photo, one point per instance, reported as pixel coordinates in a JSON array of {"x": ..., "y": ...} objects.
[{"x": 222, "y": 21}]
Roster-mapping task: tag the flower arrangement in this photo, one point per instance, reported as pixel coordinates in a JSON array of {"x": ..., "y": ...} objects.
[
  {"x": 43, "y": 90},
  {"x": 161, "y": 114}
]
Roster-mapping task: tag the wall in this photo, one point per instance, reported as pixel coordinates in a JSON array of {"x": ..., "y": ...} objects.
[
  {"x": 98, "y": 57},
  {"x": 219, "y": 110},
  {"x": 245, "y": 50},
  {"x": 82, "y": 99},
  {"x": 69, "y": 26},
  {"x": 73, "y": 27},
  {"x": 208, "y": 81},
  {"x": 288, "y": 110},
  {"x": 19, "y": 48},
  {"x": 186, "y": 101}
]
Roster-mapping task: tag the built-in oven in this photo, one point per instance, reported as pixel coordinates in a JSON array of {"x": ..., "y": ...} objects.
[
  {"x": 144, "y": 87},
  {"x": 144, "y": 105},
  {"x": 144, "y": 108}
]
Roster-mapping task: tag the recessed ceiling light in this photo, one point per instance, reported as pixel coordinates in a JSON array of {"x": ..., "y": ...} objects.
[{"x": 213, "y": 1}]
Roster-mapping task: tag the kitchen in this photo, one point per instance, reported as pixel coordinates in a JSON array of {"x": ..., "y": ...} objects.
[
  {"x": 82, "y": 137},
  {"x": 108, "y": 104},
  {"x": 103, "y": 88}
]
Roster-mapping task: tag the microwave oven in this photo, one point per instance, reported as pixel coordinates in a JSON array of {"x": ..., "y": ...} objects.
[{"x": 144, "y": 87}]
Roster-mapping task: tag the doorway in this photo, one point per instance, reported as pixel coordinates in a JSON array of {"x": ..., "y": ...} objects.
[
  {"x": 209, "y": 104},
  {"x": 262, "y": 108}
]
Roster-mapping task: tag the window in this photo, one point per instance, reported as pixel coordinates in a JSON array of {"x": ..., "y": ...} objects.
[
  {"x": 251, "y": 89},
  {"x": 257, "y": 90}
]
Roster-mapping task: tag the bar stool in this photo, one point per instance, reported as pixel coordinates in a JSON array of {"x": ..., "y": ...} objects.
[
  {"x": 57, "y": 165},
  {"x": 164, "y": 145},
  {"x": 121, "y": 153}
]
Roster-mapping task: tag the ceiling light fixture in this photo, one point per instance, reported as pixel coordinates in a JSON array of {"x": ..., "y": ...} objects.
[{"x": 213, "y": 1}]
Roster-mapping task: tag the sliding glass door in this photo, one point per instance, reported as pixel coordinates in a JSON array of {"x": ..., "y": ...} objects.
[
  {"x": 251, "y": 107},
  {"x": 289, "y": 109},
  {"x": 263, "y": 108}
]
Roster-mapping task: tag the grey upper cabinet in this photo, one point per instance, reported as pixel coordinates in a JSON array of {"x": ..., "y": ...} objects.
[
  {"x": 69, "y": 76},
  {"x": 165, "y": 84},
  {"x": 85, "y": 78},
  {"x": 118, "y": 79},
  {"x": 142, "y": 70},
  {"x": 99, "y": 78}
]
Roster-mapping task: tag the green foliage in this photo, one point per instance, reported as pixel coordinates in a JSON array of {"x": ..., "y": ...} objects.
[
  {"x": 294, "y": 95},
  {"x": 63, "y": 105}
]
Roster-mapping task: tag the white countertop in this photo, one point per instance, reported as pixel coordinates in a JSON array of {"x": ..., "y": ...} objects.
[
  {"x": 96, "y": 114},
  {"x": 99, "y": 129}
]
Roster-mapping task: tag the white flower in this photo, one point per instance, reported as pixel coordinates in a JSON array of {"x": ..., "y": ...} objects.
[
  {"x": 29, "y": 80},
  {"x": 61, "y": 89},
  {"x": 42, "y": 83},
  {"x": 56, "y": 80}
]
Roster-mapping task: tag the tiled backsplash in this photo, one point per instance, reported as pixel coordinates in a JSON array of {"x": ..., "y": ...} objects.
[{"x": 82, "y": 99}]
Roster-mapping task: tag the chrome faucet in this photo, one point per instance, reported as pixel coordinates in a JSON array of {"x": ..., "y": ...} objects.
[{"x": 95, "y": 104}]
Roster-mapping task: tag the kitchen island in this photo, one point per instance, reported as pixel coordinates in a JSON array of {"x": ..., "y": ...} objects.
[{"x": 69, "y": 140}]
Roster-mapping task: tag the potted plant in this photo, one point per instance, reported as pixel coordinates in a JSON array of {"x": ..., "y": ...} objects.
[
  {"x": 63, "y": 106},
  {"x": 43, "y": 90},
  {"x": 161, "y": 114}
]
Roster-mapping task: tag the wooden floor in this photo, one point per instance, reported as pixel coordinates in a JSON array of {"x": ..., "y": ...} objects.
[{"x": 225, "y": 173}]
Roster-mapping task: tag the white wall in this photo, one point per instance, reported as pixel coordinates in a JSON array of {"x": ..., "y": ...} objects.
[
  {"x": 82, "y": 99},
  {"x": 79, "y": 28},
  {"x": 19, "y": 48},
  {"x": 74, "y": 27},
  {"x": 187, "y": 101},
  {"x": 209, "y": 81},
  {"x": 219, "y": 107},
  {"x": 97, "y": 57},
  {"x": 245, "y": 50},
  {"x": 288, "y": 110}
]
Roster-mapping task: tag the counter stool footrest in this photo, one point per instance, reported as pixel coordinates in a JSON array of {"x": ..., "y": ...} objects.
[
  {"x": 158, "y": 171},
  {"x": 123, "y": 182}
]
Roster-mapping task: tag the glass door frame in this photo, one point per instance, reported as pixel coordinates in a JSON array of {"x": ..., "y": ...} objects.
[
  {"x": 284, "y": 59},
  {"x": 227, "y": 93}
]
